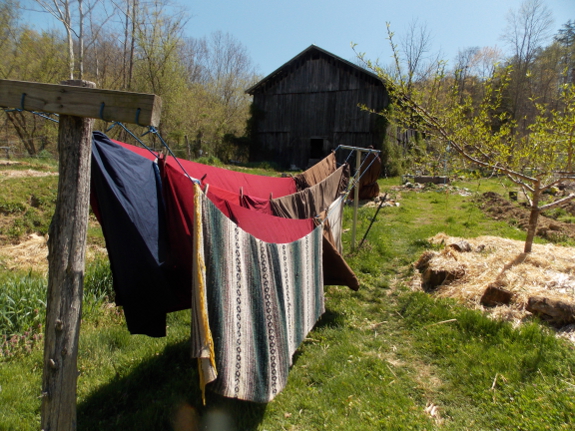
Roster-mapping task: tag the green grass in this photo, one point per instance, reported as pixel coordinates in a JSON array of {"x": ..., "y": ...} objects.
[
  {"x": 28, "y": 203},
  {"x": 43, "y": 164},
  {"x": 375, "y": 360},
  {"x": 23, "y": 303}
]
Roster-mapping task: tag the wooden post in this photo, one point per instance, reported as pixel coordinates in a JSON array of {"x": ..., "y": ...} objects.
[
  {"x": 77, "y": 102},
  {"x": 66, "y": 252}
]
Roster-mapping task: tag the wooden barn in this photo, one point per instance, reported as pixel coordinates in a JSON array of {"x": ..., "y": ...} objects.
[{"x": 309, "y": 106}]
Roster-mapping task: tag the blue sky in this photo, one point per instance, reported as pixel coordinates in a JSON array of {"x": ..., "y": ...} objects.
[{"x": 274, "y": 31}]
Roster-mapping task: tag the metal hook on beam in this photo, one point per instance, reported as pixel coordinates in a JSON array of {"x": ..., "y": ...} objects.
[{"x": 102, "y": 111}]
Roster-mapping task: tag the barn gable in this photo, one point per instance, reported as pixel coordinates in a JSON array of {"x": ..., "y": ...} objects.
[{"x": 309, "y": 106}]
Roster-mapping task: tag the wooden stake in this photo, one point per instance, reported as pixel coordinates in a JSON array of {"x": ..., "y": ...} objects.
[{"x": 66, "y": 253}]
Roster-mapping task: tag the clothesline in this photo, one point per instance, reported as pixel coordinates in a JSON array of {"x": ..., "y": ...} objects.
[
  {"x": 155, "y": 132},
  {"x": 353, "y": 183}
]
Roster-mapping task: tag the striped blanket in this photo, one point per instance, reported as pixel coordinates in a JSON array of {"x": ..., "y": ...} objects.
[{"x": 261, "y": 298}]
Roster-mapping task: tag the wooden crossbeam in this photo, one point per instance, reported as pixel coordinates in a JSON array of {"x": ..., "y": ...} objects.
[{"x": 126, "y": 107}]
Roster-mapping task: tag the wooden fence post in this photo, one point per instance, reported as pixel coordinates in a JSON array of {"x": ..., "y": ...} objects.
[
  {"x": 77, "y": 102},
  {"x": 66, "y": 253}
]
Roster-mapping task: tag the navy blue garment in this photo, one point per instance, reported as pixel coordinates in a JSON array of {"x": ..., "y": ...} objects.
[{"x": 126, "y": 198}]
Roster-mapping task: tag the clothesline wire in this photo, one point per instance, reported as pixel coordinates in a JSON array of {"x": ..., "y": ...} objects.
[
  {"x": 39, "y": 114},
  {"x": 133, "y": 135},
  {"x": 354, "y": 182},
  {"x": 154, "y": 131}
]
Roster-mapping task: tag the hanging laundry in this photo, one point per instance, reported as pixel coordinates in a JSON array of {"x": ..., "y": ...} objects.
[
  {"x": 335, "y": 218},
  {"x": 257, "y": 204},
  {"x": 263, "y": 298},
  {"x": 369, "y": 174},
  {"x": 148, "y": 225},
  {"x": 336, "y": 271},
  {"x": 126, "y": 198},
  {"x": 317, "y": 173},
  {"x": 313, "y": 200},
  {"x": 263, "y": 226},
  {"x": 258, "y": 186}
]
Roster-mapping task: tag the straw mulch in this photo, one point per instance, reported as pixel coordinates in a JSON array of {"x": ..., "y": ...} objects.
[
  {"x": 32, "y": 254},
  {"x": 13, "y": 173},
  {"x": 548, "y": 271}
]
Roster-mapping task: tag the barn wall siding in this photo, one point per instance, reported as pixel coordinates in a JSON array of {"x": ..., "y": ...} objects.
[{"x": 317, "y": 97}]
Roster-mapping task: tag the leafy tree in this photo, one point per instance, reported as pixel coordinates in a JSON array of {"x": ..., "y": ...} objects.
[
  {"x": 28, "y": 56},
  {"x": 136, "y": 46},
  {"x": 566, "y": 40},
  {"x": 485, "y": 135}
]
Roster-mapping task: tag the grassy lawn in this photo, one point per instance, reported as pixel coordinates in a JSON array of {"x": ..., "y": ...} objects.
[{"x": 384, "y": 357}]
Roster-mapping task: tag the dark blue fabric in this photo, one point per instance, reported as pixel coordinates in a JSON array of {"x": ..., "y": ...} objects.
[{"x": 126, "y": 197}]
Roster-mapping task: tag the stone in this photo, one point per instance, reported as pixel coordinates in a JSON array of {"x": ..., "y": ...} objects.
[{"x": 496, "y": 295}]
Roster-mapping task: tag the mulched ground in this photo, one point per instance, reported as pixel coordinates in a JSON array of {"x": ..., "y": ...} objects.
[{"x": 500, "y": 208}]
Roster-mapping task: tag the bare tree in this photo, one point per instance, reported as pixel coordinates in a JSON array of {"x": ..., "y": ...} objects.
[
  {"x": 73, "y": 15},
  {"x": 129, "y": 12},
  {"x": 194, "y": 56},
  {"x": 230, "y": 68},
  {"x": 527, "y": 29},
  {"x": 486, "y": 60},
  {"x": 464, "y": 65},
  {"x": 415, "y": 45}
]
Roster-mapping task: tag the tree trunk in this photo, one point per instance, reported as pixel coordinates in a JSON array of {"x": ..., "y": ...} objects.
[
  {"x": 81, "y": 40},
  {"x": 68, "y": 25},
  {"x": 66, "y": 251},
  {"x": 533, "y": 217},
  {"x": 132, "y": 44}
]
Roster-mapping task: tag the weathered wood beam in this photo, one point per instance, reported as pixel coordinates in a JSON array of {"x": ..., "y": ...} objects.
[
  {"x": 143, "y": 109},
  {"x": 66, "y": 253}
]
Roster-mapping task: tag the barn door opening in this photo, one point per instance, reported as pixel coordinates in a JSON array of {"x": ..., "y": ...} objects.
[{"x": 316, "y": 148}]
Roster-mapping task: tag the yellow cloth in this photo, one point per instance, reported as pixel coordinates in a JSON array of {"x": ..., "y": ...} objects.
[{"x": 202, "y": 341}]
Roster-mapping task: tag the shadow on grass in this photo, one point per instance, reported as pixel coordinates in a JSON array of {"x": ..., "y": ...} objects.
[
  {"x": 162, "y": 393},
  {"x": 330, "y": 319}
]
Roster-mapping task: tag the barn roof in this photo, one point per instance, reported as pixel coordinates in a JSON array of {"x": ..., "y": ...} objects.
[{"x": 284, "y": 70}]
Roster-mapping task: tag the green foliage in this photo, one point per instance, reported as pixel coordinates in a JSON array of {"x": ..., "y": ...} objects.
[
  {"x": 22, "y": 303},
  {"x": 210, "y": 160},
  {"x": 31, "y": 211},
  {"x": 98, "y": 287},
  {"x": 263, "y": 168},
  {"x": 393, "y": 160},
  {"x": 201, "y": 81},
  {"x": 482, "y": 131}
]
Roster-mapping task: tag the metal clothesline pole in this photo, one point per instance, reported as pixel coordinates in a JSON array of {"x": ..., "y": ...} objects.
[
  {"x": 355, "y": 197},
  {"x": 359, "y": 151}
]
